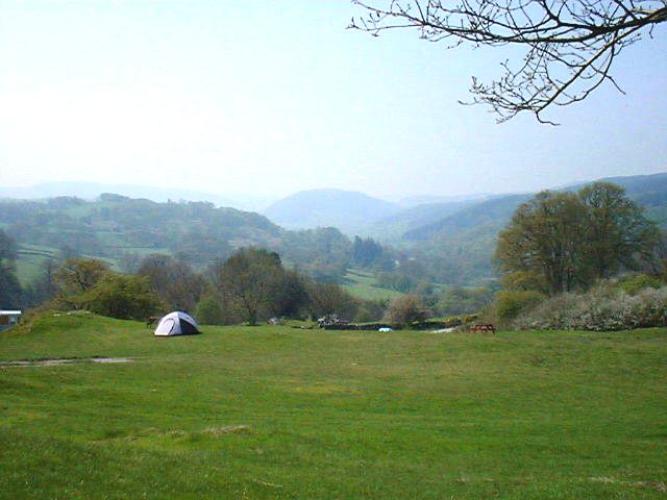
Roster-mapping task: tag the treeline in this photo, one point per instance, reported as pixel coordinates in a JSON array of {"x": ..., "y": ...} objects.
[{"x": 250, "y": 286}]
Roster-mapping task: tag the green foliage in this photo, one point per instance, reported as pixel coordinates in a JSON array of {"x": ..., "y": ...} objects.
[
  {"x": 364, "y": 285},
  {"x": 366, "y": 252},
  {"x": 120, "y": 296},
  {"x": 570, "y": 241},
  {"x": 405, "y": 310},
  {"x": 458, "y": 300},
  {"x": 121, "y": 228},
  {"x": 327, "y": 299},
  {"x": 255, "y": 283},
  {"x": 77, "y": 276},
  {"x": 370, "y": 310},
  {"x": 209, "y": 310},
  {"x": 510, "y": 303},
  {"x": 633, "y": 284}
]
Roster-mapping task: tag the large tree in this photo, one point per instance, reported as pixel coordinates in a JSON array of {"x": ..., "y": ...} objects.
[
  {"x": 568, "y": 240},
  {"x": 568, "y": 47},
  {"x": 616, "y": 232},
  {"x": 252, "y": 279},
  {"x": 173, "y": 281},
  {"x": 544, "y": 238}
]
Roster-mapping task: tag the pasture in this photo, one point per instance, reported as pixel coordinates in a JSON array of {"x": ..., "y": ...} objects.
[{"x": 278, "y": 412}]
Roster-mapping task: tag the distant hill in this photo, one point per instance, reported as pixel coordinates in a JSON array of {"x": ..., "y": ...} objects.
[
  {"x": 464, "y": 241},
  {"x": 648, "y": 190},
  {"x": 348, "y": 211},
  {"x": 91, "y": 190},
  {"x": 394, "y": 227},
  {"x": 121, "y": 230},
  {"x": 493, "y": 214}
]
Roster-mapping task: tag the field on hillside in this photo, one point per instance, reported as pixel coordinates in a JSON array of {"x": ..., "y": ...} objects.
[
  {"x": 362, "y": 284},
  {"x": 276, "y": 412}
]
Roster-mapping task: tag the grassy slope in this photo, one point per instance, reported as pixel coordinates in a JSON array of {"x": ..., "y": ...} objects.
[
  {"x": 339, "y": 415},
  {"x": 361, "y": 284}
]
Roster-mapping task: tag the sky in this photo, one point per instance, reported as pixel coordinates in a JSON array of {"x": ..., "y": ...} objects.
[{"x": 270, "y": 97}]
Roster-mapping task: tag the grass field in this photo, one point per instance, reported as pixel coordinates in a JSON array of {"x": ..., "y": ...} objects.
[
  {"x": 361, "y": 284},
  {"x": 276, "y": 412}
]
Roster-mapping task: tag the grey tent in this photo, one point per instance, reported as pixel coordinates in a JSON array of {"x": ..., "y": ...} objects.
[{"x": 176, "y": 323}]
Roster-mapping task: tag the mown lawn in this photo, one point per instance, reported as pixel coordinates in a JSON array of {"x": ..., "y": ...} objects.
[{"x": 278, "y": 412}]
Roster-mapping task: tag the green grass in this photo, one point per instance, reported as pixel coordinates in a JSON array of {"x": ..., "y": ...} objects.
[
  {"x": 361, "y": 284},
  {"x": 30, "y": 262},
  {"x": 335, "y": 415}
]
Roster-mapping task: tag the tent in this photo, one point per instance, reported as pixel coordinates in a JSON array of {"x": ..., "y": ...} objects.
[{"x": 176, "y": 323}]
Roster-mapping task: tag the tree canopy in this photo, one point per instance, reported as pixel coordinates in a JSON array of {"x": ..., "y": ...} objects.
[
  {"x": 562, "y": 241},
  {"x": 569, "y": 47}
]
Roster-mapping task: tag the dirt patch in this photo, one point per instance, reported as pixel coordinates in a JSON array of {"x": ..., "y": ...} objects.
[
  {"x": 226, "y": 429},
  {"x": 60, "y": 361}
]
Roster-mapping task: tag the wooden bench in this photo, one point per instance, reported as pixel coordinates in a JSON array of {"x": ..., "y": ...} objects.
[{"x": 483, "y": 327}]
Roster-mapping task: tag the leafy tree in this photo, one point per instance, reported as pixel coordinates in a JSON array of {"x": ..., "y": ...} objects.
[
  {"x": 327, "y": 299},
  {"x": 120, "y": 296},
  {"x": 564, "y": 240},
  {"x": 616, "y": 232},
  {"x": 173, "y": 281},
  {"x": 209, "y": 310},
  {"x": 251, "y": 279},
  {"x": 568, "y": 47},
  {"x": 77, "y": 275},
  {"x": 544, "y": 237},
  {"x": 365, "y": 252}
]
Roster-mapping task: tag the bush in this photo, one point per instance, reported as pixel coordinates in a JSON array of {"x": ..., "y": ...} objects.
[
  {"x": 370, "y": 310},
  {"x": 510, "y": 303},
  {"x": 405, "y": 309},
  {"x": 121, "y": 296},
  {"x": 209, "y": 311},
  {"x": 634, "y": 284},
  {"x": 600, "y": 309}
]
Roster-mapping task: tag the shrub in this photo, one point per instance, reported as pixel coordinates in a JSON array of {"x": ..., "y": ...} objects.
[
  {"x": 208, "y": 311},
  {"x": 121, "y": 296},
  {"x": 370, "y": 310},
  {"x": 510, "y": 303},
  {"x": 634, "y": 284},
  {"x": 405, "y": 309},
  {"x": 601, "y": 309}
]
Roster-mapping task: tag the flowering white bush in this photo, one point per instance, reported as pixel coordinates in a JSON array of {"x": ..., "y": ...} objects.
[{"x": 602, "y": 308}]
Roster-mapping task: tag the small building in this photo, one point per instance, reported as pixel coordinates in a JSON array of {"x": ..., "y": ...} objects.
[{"x": 9, "y": 319}]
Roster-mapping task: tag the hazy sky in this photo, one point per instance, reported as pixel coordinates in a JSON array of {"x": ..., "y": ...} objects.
[{"x": 272, "y": 97}]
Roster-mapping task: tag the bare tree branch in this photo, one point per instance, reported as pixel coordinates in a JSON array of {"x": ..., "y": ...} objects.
[{"x": 570, "y": 46}]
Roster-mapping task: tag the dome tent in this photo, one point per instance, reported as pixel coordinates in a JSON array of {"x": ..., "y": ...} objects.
[{"x": 176, "y": 323}]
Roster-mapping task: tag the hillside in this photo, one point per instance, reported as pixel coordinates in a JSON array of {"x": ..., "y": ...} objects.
[
  {"x": 348, "y": 211},
  {"x": 121, "y": 230},
  {"x": 92, "y": 190},
  {"x": 460, "y": 245},
  {"x": 278, "y": 412},
  {"x": 394, "y": 227}
]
